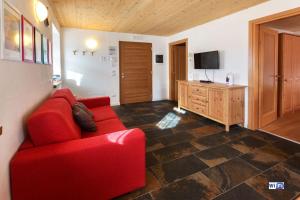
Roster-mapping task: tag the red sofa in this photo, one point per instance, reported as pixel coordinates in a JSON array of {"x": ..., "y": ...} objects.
[{"x": 58, "y": 161}]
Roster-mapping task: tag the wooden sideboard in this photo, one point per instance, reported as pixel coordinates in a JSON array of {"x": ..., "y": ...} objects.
[{"x": 219, "y": 102}]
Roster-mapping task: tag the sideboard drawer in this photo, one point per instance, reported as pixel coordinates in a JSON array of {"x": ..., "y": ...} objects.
[
  {"x": 201, "y": 109},
  {"x": 201, "y": 91},
  {"x": 199, "y": 99}
]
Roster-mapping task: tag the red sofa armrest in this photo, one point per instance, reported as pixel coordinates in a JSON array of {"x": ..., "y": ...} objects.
[
  {"x": 95, "y": 101},
  {"x": 100, "y": 167}
]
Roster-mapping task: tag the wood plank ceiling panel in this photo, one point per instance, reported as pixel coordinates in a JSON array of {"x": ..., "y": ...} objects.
[{"x": 155, "y": 17}]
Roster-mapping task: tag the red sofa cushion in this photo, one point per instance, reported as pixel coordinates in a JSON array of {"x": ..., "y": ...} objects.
[
  {"x": 65, "y": 93},
  {"x": 52, "y": 122},
  {"x": 106, "y": 126},
  {"x": 103, "y": 113}
]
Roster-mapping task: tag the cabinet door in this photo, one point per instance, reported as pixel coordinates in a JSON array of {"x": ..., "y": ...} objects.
[
  {"x": 216, "y": 108},
  {"x": 183, "y": 94}
]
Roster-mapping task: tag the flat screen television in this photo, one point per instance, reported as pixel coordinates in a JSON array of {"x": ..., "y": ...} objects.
[{"x": 207, "y": 60}]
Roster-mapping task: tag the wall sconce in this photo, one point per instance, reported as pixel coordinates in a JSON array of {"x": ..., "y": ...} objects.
[
  {"x": 91, "y": 44},
  {"x": 41, "y": 12}
]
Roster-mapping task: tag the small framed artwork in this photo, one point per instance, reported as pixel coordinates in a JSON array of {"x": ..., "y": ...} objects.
[
  {"x": 38, "y": 46},
  {"x": 10, "y": 31},
  {"x": 50, "y": 52},
  {"x": 45, "y": 50},
  {"x": 27, "y": 41}
]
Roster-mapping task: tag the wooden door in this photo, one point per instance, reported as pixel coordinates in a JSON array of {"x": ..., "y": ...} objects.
[
  {"x": 183, "y": 90},
  {"x": 135, "y": 72},
  {"x": 286, "y": 75},
  {"x": 268, "y": 76},
  {"x": 216, "y": 101},
  {"x": 178, "y": 62},
  {"x": 296, "y": 72},
  {"x": 179, "y": 65}
]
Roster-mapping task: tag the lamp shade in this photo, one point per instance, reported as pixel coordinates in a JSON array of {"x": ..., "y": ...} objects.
[{"x": 41, "y": 11}]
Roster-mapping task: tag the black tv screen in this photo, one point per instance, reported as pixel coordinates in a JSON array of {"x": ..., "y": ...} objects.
[{"x": 207, "y": 60}]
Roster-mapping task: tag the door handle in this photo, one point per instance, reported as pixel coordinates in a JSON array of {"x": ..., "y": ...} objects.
[{"x": 122, "y": 75}]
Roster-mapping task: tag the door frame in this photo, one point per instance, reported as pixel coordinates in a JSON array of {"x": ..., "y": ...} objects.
[
  {"x": 120, "y": 71},
  {"x": 253, "y": 70},
  {"x": 171, "y": 45}
]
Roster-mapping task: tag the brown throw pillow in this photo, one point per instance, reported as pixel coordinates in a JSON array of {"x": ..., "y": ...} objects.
[
  {"x": 83, "y": 119},
  {"x": 81, "y": 105}
]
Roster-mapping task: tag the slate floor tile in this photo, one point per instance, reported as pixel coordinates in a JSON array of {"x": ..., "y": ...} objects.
[
  {"x": 176, "y": 138},
  {"x": 247, "y": 144},
  {"x": 288, "y": 147},
  {"x": 265, "y": 136},
  {"x": 293, "y": 163},
  {"x": 153, "y": 144},
  {"x": 237, "y": 132},
  {"x": 265, "y": 157},
  {"x": 150, "y": 159},
  {"x": 210, "y": 141},
  {"x": 157, "y": 133},
  {"x": 241, "y": 192},
  {"x": 151, "y": 184},
  {"x": 277, "y": 174},
  {"x": 194, "y": 187},
  {"x": 176, "y": 169},
  {"x": 188, "y": 125},
  {"x": 217, "y": 155},
  {"x": 174, "y": 152},
  {"x": 205, "y": 130},
  {"x": 231, "y": 173}
]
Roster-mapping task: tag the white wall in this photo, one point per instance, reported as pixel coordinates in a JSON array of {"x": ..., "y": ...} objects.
[
  {"x": 93, "y": 76},
  {"x": 22, "y": 87},
  {"x": 229, "y": 35}
]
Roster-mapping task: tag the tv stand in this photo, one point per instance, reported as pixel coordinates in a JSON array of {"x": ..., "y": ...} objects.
[{"x": 204, "y": 81}]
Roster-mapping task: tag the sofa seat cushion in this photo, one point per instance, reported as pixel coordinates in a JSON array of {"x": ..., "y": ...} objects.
[
  {"x": 105, "y": 127},
  {"x": 103, "y": 113}
]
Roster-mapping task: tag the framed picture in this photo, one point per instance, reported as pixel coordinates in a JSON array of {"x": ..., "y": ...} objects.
[
  {"x": 10, "y": 31},
  {"x": 38, "y": 46},
  {"x": 50, "y": 52},
  {"x": 27, "y": 41},
  {"x": 45, "y": 50}
]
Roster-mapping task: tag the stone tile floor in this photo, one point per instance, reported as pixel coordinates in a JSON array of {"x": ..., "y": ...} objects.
[{"x": 190, "y": 157}]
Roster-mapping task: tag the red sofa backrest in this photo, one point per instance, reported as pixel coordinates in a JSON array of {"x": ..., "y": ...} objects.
[
  {"x": 52, "y": 122},
  {"x": 65, "y": 93}
]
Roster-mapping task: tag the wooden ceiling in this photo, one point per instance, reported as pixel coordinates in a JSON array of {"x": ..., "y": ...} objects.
[{"x": 153, "y": 17}]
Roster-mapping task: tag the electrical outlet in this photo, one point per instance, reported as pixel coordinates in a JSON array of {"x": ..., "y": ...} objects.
[{"x": 0, "y": 130}]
